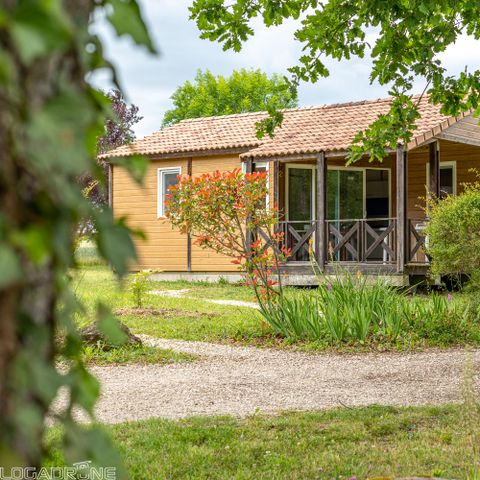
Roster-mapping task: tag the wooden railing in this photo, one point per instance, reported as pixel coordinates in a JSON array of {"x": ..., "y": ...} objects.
[
  {"x": 417, "y": 241},
  {"x": 297, "y": 236},
  {"x": 357, "y": 240},
  {"x": 362, "y": 240},
  {"x": 370, "y": 241}
]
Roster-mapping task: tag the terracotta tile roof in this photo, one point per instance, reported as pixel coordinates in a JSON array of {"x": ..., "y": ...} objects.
[
  {"x": 197, "y": 135},
  {"x": 307, "y": 130}
]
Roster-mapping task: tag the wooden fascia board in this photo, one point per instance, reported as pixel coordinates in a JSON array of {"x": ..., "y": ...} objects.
[
  {"x": 432, "y": 134},
  {"x": 189, "y": 154}
]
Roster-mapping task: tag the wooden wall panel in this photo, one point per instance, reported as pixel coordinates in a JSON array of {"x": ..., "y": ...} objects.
[
  {"x": 164, "y": 248},
  {"x": 466, "y": 157},
  {"x": 204, "y": 260}
]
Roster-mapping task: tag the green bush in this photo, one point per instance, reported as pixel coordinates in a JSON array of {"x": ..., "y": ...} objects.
[{"x": 454, "y": 233}]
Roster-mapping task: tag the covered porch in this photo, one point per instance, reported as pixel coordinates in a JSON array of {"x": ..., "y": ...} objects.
[{"x": 368, "y": 217}]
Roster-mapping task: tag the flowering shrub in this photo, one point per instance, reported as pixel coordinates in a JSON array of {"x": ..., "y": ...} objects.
[{"x": 226, "y": 212}]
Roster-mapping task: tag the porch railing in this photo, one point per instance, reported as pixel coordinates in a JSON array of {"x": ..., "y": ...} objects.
[
  {"x": 367, "y": 240},
  {"x": 362, "y": 240},
  {"x": 417, "y": 241},
  {"x": 297, "y": 236}
]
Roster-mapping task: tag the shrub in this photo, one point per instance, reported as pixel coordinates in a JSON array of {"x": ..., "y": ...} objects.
[
  {"x": 454, "y": 233},
  {"x": 139, "y": 285}
]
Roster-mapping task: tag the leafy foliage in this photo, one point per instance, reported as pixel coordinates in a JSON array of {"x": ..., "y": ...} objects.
[
  {"x": 244, "y": 91},
  {"x": 359, "y": 310},
  {"x": 222, "y": 211},
  {"x": 454, "y": 233},
  {"x": 409, "y": 37},
  {"x": 139, "y": 285},
  {"x": 118, "y": 132},
  {"x": 51, "y": 119},
  {"x": 119, "y": 129}
]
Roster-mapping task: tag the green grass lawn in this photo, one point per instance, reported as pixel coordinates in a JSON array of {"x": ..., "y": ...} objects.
[
  {"x": 189, "y": 318},
  {"x": 373, "y": 442},
  {"x": 193, "y": 318}
]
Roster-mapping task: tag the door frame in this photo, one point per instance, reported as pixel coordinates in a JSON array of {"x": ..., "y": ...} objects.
[
  {"x": 305, "y": 166},
  {"x": 364, "y": 170}
]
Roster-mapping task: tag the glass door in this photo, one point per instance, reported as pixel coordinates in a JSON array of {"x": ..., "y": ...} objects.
[
  {"x": 300, "y": 206},
  {"x": 345, "y": 190},
  {"x": 345, "y": 205}
]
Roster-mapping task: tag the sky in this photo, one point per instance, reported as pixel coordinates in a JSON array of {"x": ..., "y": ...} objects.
[{"x": 149, "y": 81}]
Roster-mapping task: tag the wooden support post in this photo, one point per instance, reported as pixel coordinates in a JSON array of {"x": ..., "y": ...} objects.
[
  {"x": 248, "y": 232},
  {"x": 321, "y": 211},
  {"x": 189, "y": 237},
  {"x": 402, "y": 221},
  {"x": 276, "y": 186},
  {"x": 434, "y": 167}
]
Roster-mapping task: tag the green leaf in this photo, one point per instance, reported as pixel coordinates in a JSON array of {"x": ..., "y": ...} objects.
[
  {"x": 126, "y": 19},
  {"x": 35, "y": 241},
  {"x": 85, "y": 388},
  {"x": 109, "y": 326},
  {"x": 114, "y": 242},
  {"x": 39, "y": 28},
  {"x": 10, "y": 269},
  {"x": 136, "y": 165}
]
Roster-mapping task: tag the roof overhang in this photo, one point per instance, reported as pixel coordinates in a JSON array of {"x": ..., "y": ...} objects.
[{"x": 462, "y": 129}]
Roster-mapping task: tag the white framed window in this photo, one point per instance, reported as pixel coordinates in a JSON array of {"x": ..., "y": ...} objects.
[
  {"x": 448, "y": 178},
  {"x": 260, "y": 167},
  {"x": 166, "y": 177}
]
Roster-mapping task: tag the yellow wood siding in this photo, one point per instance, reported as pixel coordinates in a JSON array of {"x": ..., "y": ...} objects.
[
  {"x": 466, "y": 157},
  {"x": 165, "y": 248},
  {"x": 206, "y": 260}
]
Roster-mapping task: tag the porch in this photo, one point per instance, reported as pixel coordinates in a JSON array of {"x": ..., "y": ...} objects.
[{"x": 361, "y": 218}]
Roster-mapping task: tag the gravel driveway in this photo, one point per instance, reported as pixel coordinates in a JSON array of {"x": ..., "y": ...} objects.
[{"x": 241, "y": 380}]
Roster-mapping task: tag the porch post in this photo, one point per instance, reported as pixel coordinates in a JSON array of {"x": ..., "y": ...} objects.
[
  {"x": 401, "y": 165},
  {"x": 321, "y": 211},
  {"x": 276, "y": 186},
  {"x": 248, "y": 231},
  {"x": 434, "y": 167}
]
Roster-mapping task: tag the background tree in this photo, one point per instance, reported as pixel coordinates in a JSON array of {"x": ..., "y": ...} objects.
[
  {"x": 118, "y": 132},
  {"x": 410, "y": 36},
  {"x": 119, "y": 129},
  {"x": 244, "y": 91},
  {"x": 50, "y": 120}
]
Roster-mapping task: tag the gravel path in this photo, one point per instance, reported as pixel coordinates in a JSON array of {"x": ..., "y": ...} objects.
[{"x": 241, "y": 380}]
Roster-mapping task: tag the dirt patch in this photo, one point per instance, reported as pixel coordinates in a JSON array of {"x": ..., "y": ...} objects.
[{"x": 159, "y": 312}]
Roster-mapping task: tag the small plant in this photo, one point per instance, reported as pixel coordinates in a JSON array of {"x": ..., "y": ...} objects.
[
  {"x": 295, "y": 318},
  {"x": 139, "y": 285}
]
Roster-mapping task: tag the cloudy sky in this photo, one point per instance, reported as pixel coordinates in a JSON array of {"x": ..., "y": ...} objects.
[{"x": 150, "y": 81}]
